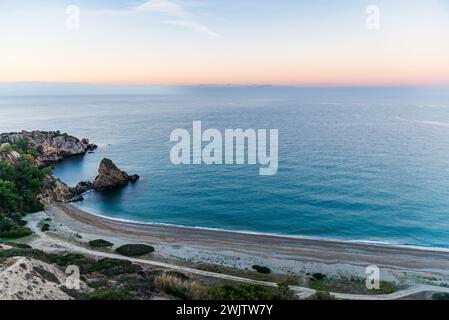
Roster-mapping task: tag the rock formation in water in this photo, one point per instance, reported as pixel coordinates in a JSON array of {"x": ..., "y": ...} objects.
[
  {"x": 82, "y": 187},
  {"x": 50, "y": 146},
  {"x": 109, "y": 176}
]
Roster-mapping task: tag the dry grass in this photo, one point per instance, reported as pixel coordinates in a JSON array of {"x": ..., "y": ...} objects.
[
  {"x": 176, "y": 286},
  {"x": 167, "y": 282}
]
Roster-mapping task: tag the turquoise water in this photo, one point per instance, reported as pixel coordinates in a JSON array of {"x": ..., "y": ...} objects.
[{"x": 370, "y": 166}]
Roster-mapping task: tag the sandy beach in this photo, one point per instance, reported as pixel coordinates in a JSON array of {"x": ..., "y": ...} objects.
[{"x": 241, "y": 250}]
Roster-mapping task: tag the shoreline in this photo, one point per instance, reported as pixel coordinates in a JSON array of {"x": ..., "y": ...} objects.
[
  {"x": 262, "y": 234},
  {"x": 288, "y": 255}
]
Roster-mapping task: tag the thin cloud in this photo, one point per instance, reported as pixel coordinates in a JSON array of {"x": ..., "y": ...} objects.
[
  {"x": 173, "y": 9},
  {"x": 163, "y": 6},
  {"x": 195, "y": 26}
]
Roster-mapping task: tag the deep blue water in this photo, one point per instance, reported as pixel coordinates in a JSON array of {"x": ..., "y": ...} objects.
[{"x": 365, "y": 166}]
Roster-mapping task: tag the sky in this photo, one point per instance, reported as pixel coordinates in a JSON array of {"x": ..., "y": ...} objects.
[{"x": 226, "y": 42}]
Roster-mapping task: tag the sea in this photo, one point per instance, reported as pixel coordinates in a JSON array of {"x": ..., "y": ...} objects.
[{"x": 366, "y": 165}]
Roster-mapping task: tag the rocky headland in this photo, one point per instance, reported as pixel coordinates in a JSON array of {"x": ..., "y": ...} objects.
[
  {"x": 48, "y": 146},
  {"x": 45, "y": 148}
]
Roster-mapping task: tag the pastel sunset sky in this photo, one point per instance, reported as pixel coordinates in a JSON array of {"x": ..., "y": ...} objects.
[{"x": 244, "y": 42}]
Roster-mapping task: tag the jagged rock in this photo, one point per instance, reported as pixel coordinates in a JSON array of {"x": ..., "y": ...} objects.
[
  {"x": 51, "y": 146},
  {"x": 109, "y": 176},
  {"x": 54, "y": 190},
  {"x": 89, "y": 146},
  {"x": 82, "y": 187}
]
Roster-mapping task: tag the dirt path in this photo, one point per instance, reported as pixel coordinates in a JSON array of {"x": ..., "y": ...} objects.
[{"x": 48, "y": 243}]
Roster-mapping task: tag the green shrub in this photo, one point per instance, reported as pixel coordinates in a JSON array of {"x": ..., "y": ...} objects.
[
  {"x": 85, "y": 264},
  {"x": 16, "y": 232},
  {"x": 261, "y": 269},
  {"x": 100, "y": 243},
  {"x": 109, "y": 294},
  {"x": 318, "y": 276},
  {"x": 98, "y": 283},
  {"x": 134, "y": 250},
  {"x": 244, "y": 292},
  {"x": 285, "y": 293},
  {"x": 139, "y": 284},
  {"x": 106, "y": 266},
  {"x": 322, "y": 295},
  {"x": 112, "y": 267},
  {"x": 22, "y": 252}
]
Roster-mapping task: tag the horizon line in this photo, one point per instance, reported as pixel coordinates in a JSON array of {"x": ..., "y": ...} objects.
[{"x": 230, "y": 85}]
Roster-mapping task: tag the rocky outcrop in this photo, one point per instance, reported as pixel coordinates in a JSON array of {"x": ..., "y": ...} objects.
[
  {"x": 9, "y": 155},
  {"x": 82, "y": 187},
  {"x": 54, "y": 190},
  {"x": 109, "y": 176},
  {"x": 51, "y": 146},
  {"x": 23, "y": 278}
]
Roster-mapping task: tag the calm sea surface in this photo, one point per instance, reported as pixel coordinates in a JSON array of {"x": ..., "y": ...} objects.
[{"x": 369, "y": 167}]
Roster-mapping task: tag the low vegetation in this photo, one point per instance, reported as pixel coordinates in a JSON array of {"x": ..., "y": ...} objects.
[
  {"x": 114, "y": 279},
  {"x": 134, "y": 250},
  {"x": 190, "y": 290},
  {"x": 345, "y": 284},
  {"x": 100, "y": 243},
  {"x": 321, "y": 295},
  {"x": 243, "y": 292},
  {"x": 109, "y": 294},
  {"x": 261, "y": 269}
]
